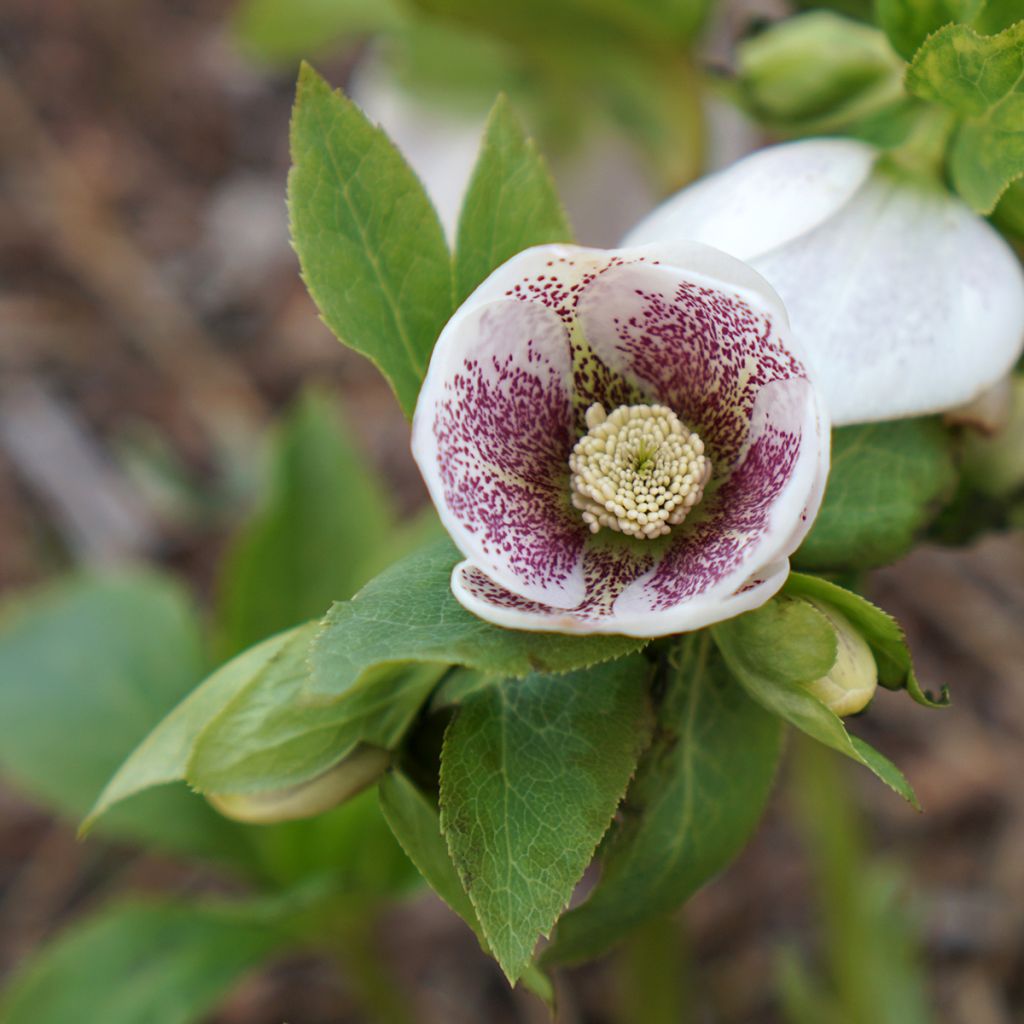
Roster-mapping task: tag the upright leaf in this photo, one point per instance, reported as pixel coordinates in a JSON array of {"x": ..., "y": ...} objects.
[
  {"x": 908, "y": 23},
  {"x": 773, "y": 652},
  {"x": 511, "y": 202},
  {"x": 87, "y": 668},
  {"x": 982, "y": 79},
  {"x": 408, "y": 613},
  {"x": 326, "y": 528},
  {"x": 531, "y": 773},
  {"x": 886, "y": 484},
  {"x": 158, "y": 963},
  {"x": 699, "y": 791},
  {"x": 371, "y": 247}
]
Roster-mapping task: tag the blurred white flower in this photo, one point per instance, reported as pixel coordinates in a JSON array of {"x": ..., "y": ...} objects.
[{"x": 904, "y": 300}]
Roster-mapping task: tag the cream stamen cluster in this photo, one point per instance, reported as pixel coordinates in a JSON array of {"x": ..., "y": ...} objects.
[{"x": 638, "y": 470}]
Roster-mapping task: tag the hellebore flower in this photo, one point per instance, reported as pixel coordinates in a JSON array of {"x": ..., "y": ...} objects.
[
  {"x": 904, "y": 300},
  {"x": 620, "y": 441}
]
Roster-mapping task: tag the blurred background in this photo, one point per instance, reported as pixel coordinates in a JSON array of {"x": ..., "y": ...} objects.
[{"x": 154, "y": 329}]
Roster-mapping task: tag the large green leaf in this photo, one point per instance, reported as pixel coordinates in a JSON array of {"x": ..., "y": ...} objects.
[
  {"x": 140, "y": 963},
  {"x": 909, "y": 22},
  {"x": 774, "y": 651},
  {"x": 511, "y": 202},
  {"x": 87, "y": 668},
  {"x": 408, "y": 614},
  {"x": 697, "y": 796},
  {"x": 882, "y": 632},
  {"x": 886, "y": 484},
  {"x": 371, "y": 246},
  {"x": 285, "y": 33},
  {"x": 415, "y": 822},
  {"x": 531, "y": 773},
  {"x": 327, "y": 526},
  {"x": 982, "y": 79}
]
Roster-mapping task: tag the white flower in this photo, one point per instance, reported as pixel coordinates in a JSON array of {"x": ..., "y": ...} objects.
[
  {"x": 620, "y": 441},
  {"x": 906, "y": 302}
]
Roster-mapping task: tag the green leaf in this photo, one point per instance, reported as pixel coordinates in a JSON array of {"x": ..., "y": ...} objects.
[
  {"x": 981, "y": 78},
  {"x": 371, "y": 247},
  {"x": 908, "y": 23},
  {"x": 697, "y": 796},
  {"x": 87, "y": 668},
  {"x": 415, "y": 822},
  {"x": 778, "y": 648},
  {"x": 327, "y": 526},
  {"x": 408, "y": 613},
  {"x": 140, "y": 962},
  {"x": 886, "y": 484},
  {"x": 882, "y": 632},
  {"x": 163, "y": 756},
  {"x": 531, "y": 773},
  {"x": 510, "y": 204},
  {"x": 269, "y": 735},
  {"x": 284, "y": 33}
]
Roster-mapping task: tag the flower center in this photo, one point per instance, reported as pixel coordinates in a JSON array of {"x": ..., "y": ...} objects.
[{"x": 638, "y": 470}]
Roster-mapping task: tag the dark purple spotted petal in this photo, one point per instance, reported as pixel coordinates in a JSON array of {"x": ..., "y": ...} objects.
[{"x": 492, "y": 434}]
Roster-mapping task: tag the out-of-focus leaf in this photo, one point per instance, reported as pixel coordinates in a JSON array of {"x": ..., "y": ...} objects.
[
  {"x": 774, "y": 651},
  {"x": 327, "y": 527},
  {"x": 87, "y": 668},
  {"x": 372, "y": 249},
  {"x": 908, "y": 23},
  {"x": 982, "y": 79},
  {"x": 883, "y": 634},
  {"x": 699, "y": 791},
  {"x": 141, "y": 963},
  {"x": 511, "y": 203},
  {"x": 886, "y": 484},
  {"x": 531, "y": 773},
  {"x": 285, "y": 33},
  {"x": 408, "y": 614}
]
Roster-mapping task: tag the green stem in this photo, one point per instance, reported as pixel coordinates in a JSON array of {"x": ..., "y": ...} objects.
[
  {"x": 654, "y": 975},
  {"x": 924, "y": 152},
  {"x": 376, "y": 992}
]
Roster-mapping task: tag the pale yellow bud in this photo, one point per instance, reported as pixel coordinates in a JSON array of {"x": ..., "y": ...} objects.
[
  {"x": 853, "y": 679},
  {"x": 342, "y": 782}
]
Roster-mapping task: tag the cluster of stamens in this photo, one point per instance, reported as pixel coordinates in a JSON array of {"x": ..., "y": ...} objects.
[{"x": 638, "y": 470}]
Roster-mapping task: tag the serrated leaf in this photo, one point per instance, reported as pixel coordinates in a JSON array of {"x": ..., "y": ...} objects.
[
  {"x": 531, "y": 773},
  {"x": 774, "y": 650},
  {"x": 87, "y": 668},
  {"x": 155, "y": 962},
  {"x": 882, "y": 632},
  {"x": 886, "y": 484},
  {"x": 326, "y": 527},
  {"x": 415, "y": 823},
  {"x": 982, "y": 79},
  {"x": 408, "y": 613},
  {"x": 510, "y": 204},
  {"x": 699, "y": 791},
  {"x": 908, "y": 23},
  {"x": 372, "y": 249}
]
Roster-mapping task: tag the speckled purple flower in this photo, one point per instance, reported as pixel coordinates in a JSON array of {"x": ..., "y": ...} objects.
[{"x": 620, "y": 441}]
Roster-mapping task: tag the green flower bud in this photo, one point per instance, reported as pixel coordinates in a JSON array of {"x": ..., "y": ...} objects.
[
  {"x": 819, "y": 72},
  {"x": 853, "y": 679},
  {"x": 342, "y": 782}
]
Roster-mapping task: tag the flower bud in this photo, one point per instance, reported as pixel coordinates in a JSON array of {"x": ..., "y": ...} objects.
[
  {"x": 342, "y": 782},
  {"x": 819, "y": 71},
  {"x": 853, "y": 679}
]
